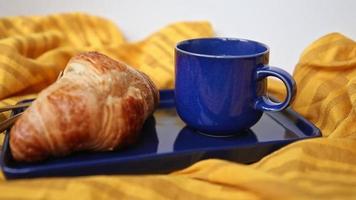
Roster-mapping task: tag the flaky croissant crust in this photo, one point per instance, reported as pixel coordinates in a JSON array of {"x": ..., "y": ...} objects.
[{"x": 99, "y": 104}]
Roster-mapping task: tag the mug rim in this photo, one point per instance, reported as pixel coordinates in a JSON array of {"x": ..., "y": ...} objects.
[{"x": 177, "y": 48}]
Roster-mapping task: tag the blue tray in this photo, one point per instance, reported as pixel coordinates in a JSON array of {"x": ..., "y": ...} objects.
[{"x": 166, "y": 144}]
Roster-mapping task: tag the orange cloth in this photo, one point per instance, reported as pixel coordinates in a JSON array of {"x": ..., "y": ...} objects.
[{"x": 34, "y": 49}]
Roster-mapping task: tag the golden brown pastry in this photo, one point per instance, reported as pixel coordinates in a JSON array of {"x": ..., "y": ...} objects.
[{"x": 98, "y": 105}]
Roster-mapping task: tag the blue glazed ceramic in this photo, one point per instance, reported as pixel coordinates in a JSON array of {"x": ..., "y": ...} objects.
[
  {"x": 220, "y": 85},
  {"x": 167, "y": 144}
]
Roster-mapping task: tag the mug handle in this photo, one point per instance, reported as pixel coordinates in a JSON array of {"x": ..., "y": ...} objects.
[{"x": 263, "y": 103}]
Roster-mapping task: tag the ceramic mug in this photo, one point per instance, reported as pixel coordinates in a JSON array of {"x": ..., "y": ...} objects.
[{"x": 220, "y": 84}]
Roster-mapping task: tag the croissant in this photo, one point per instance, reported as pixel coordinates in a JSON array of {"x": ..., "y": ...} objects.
[{"x": 99, "y": 104}]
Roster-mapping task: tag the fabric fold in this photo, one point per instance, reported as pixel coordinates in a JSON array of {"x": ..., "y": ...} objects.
[{"x": 34, "y": 49}]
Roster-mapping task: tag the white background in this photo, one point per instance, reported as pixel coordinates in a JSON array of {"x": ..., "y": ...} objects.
[{"x": 287, "y": 26}]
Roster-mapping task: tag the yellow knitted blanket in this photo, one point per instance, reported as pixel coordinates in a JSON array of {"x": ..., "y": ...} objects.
[{"x": 34, "y": 49}]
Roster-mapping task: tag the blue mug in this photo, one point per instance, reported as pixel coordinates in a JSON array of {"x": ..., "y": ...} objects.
[{"x": 220, "y": 84}]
